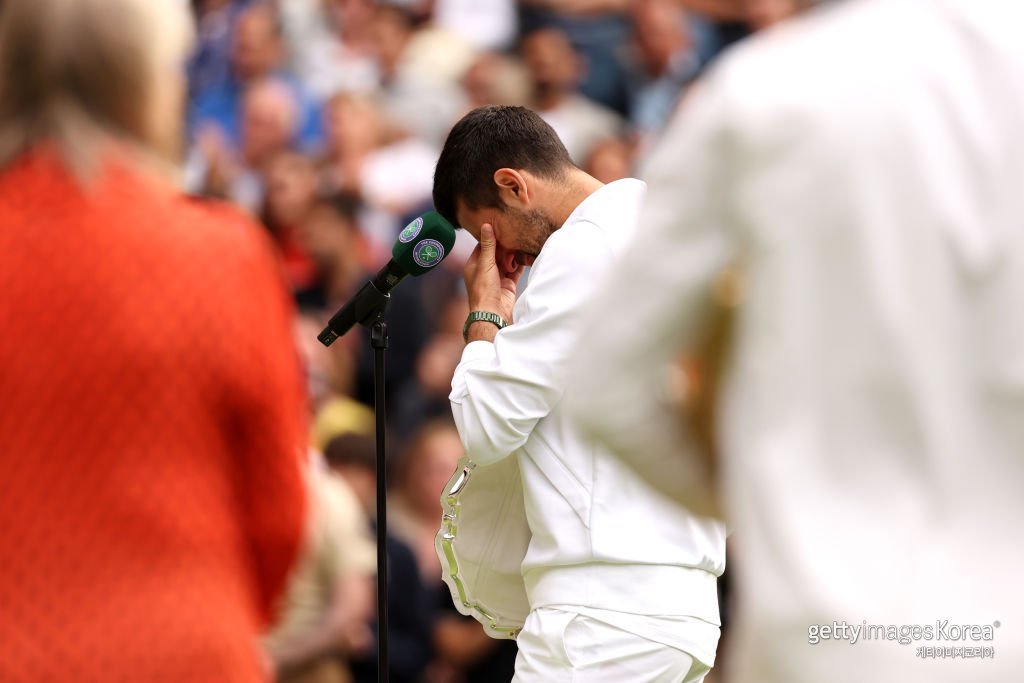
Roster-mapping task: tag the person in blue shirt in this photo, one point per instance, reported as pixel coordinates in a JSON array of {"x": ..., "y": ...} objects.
[{"x": 257, "y": 52}]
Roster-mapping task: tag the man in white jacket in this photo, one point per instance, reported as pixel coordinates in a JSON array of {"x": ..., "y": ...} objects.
[
  {"x": 621, "y": 581},
  {"x": 862, "y": 168}
]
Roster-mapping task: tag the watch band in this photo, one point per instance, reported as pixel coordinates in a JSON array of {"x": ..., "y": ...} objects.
[{"x": 482, "y": 316}]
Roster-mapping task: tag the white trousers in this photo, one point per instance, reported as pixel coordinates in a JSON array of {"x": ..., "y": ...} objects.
[{"x": 561, "y": 646}]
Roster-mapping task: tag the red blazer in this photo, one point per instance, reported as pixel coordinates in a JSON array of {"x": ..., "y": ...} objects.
[{"x": 151, "y": 431}]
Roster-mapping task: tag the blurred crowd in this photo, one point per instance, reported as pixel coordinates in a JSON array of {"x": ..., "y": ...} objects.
[{"x": 324, "y": 118}]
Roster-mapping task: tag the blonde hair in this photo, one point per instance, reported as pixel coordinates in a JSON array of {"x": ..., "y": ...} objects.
[{"x": 81, "y": 72}]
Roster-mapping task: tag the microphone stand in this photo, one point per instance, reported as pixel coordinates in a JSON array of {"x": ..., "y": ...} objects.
[
  {"x": 379, "y": 342},
  {"x": 368, "y": 311}
]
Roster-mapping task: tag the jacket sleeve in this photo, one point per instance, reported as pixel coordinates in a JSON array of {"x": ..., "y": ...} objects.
[
  {"x": 500, "y": 390},
  {"x": 660, "y": 294},
  {"x": 267, "y": 417}
]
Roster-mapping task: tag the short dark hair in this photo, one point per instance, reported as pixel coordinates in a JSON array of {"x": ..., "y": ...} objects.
[
  {"x": 351, "y": 449},
  {"x": 489, "y": 138},
  {"x": 345, "y": 204},
  {"x": 402, "y": 14}
]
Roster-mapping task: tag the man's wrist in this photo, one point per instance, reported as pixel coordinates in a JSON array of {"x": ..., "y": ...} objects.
[
  {"x": 481, "y": 331},
  {"x": 482, "y": 325}
]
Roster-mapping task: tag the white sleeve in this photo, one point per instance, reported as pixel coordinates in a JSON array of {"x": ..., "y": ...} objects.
[
  {"x": 654, "y": 302},
  {"x": 501, "y": 390}
]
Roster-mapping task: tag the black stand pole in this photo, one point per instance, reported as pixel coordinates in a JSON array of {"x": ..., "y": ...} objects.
[
  {"x": 379, "y": 342},
  {"x": 367, "y": 309}
]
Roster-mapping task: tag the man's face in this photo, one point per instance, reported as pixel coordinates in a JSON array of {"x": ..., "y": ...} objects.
[
  {"x": 327, "y": 237},
  {"x": 256, "y": 47},
  {"x": 268, "y": 122},
  {"x": 550, "y": 60},
  {"x": 520, "y": 233}
]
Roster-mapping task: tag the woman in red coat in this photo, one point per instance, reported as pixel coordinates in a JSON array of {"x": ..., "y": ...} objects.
[{"x": 151, "y": 405}]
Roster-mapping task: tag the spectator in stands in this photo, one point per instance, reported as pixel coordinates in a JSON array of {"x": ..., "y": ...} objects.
[
  {"x": 426, "y": 464},
  {"x": 330, "y": 373},
  {"x": 367, "y": 155},
  {"x": 392, "y": 27},
  {"x": 151, "y": 417},
  {"x": 291, "y": 189},
  {"x": 330, "y": 235},
  {"x": 257, "y": 52},
  {"x": 270, "y": 119},
  {"x": 330, "y": 597},
  {"x": 484, "y": 24},
  {"x": 493, "y": 78},
  {"x": 209, "y": 68},
  {"x": 427, "y": 397},
  {"x": 598, "y": 31},
  {"x": 554, "y": 73},
  {"x": 664, "y": 62},
  {"x": 330, "y": 45},
  {"x": 270, "y": 122},
  {"x": 418, "y": 66},
  {"x": 353, "y": 132},
  {"x": 353, "y": 457}
]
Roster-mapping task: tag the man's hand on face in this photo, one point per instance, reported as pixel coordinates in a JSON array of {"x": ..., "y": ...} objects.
[{"x": 489, "y": 288}]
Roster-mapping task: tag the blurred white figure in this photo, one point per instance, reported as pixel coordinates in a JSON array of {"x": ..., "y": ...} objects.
[
  {"x": 419, "y": 67},
  {"x": 863, "y": 168},
  {"x": 485, "y": 24},
  {"x": 368, "y": 155},
  {"x": 330, "y": 44}
]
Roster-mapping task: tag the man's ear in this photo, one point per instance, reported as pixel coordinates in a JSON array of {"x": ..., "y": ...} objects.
[{"x": 512, "y": 187}]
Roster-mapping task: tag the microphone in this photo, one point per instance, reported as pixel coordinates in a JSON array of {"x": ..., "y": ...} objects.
[{"x": 420, "y": 247}]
